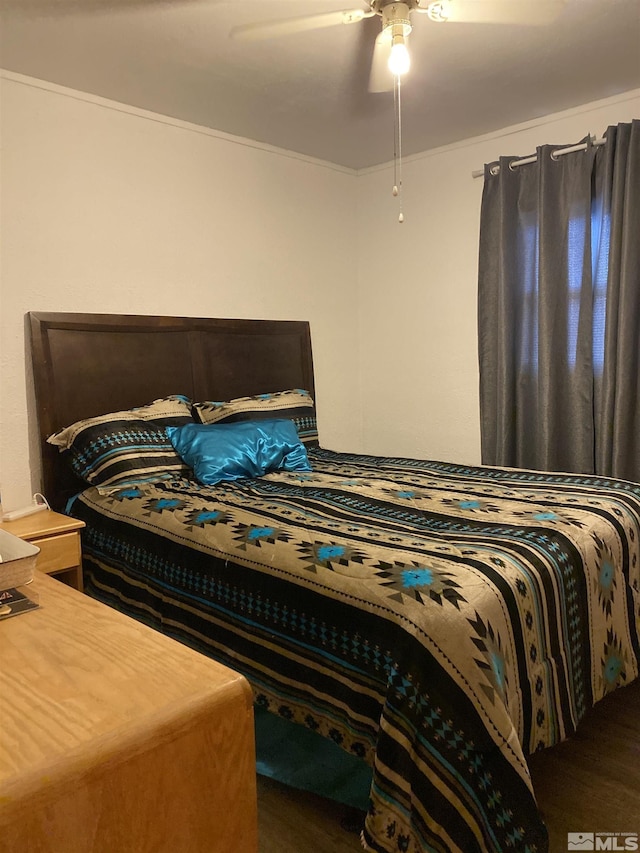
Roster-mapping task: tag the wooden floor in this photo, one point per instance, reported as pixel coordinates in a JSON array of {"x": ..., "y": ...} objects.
[
  {"x": 298, "y": 822},
  {"x": 590, "y": 783}
]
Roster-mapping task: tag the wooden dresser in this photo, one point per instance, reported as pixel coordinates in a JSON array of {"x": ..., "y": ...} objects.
[{"x": 117, "y": 739}]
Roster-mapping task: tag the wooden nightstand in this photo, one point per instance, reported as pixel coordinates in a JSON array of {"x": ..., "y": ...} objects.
[{"x": 58, "y": 538}]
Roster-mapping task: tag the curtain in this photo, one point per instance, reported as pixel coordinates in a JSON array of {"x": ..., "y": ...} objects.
[{"x": 559, "y": 309}]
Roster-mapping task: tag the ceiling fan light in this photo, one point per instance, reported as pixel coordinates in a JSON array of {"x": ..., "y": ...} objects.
[{"x": 399, "y": 60}]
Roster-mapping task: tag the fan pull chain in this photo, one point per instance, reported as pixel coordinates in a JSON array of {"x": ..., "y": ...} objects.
[{"x": 397, "y": 144}]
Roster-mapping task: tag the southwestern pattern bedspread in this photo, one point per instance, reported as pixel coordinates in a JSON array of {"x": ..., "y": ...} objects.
[{"x": 441, "y": 622}]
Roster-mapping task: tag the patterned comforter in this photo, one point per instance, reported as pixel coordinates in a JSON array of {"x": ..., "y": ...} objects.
[{"x": 439, "y": 621}]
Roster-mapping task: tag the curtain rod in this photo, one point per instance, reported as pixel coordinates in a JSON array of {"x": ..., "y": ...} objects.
[{"x": 559, "y": 152}]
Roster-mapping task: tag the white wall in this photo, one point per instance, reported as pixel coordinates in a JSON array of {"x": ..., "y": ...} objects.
[
  {"x": 418, "y": 286},
  {"x": 110, "y": 209},
  {"x": 107, "y": 209}
]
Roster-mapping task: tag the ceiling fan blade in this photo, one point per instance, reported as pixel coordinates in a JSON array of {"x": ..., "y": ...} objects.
[
  {"x": 380, "y": 77},
  {"x": 527, "y": 12},
  {"x": 285, "y": 26}
]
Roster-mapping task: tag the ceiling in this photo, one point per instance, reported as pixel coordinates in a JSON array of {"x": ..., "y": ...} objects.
[{"x": 308, "y": 92}]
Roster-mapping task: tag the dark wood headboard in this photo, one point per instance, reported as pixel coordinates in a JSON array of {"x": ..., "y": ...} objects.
[{"x": 92, "y": 364}]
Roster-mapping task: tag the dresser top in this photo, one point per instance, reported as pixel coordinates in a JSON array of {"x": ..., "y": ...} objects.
[{"x": 78, "y": 675}]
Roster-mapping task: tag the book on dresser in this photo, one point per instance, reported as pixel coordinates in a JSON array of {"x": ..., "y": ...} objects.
[{"x": 16, "y": 601}]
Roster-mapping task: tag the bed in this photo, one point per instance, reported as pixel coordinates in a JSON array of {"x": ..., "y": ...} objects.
[{"x": 437, "y": 622}]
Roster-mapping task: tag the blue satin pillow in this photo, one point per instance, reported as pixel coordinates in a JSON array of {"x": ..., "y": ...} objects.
[{"x": 221, "y": 452}]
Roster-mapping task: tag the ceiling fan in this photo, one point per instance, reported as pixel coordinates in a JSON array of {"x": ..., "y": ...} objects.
[{"x": 390, "y": 49}]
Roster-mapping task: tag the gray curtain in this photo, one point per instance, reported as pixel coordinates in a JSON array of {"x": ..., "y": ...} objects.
[{"x": 559, "y": 310}]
